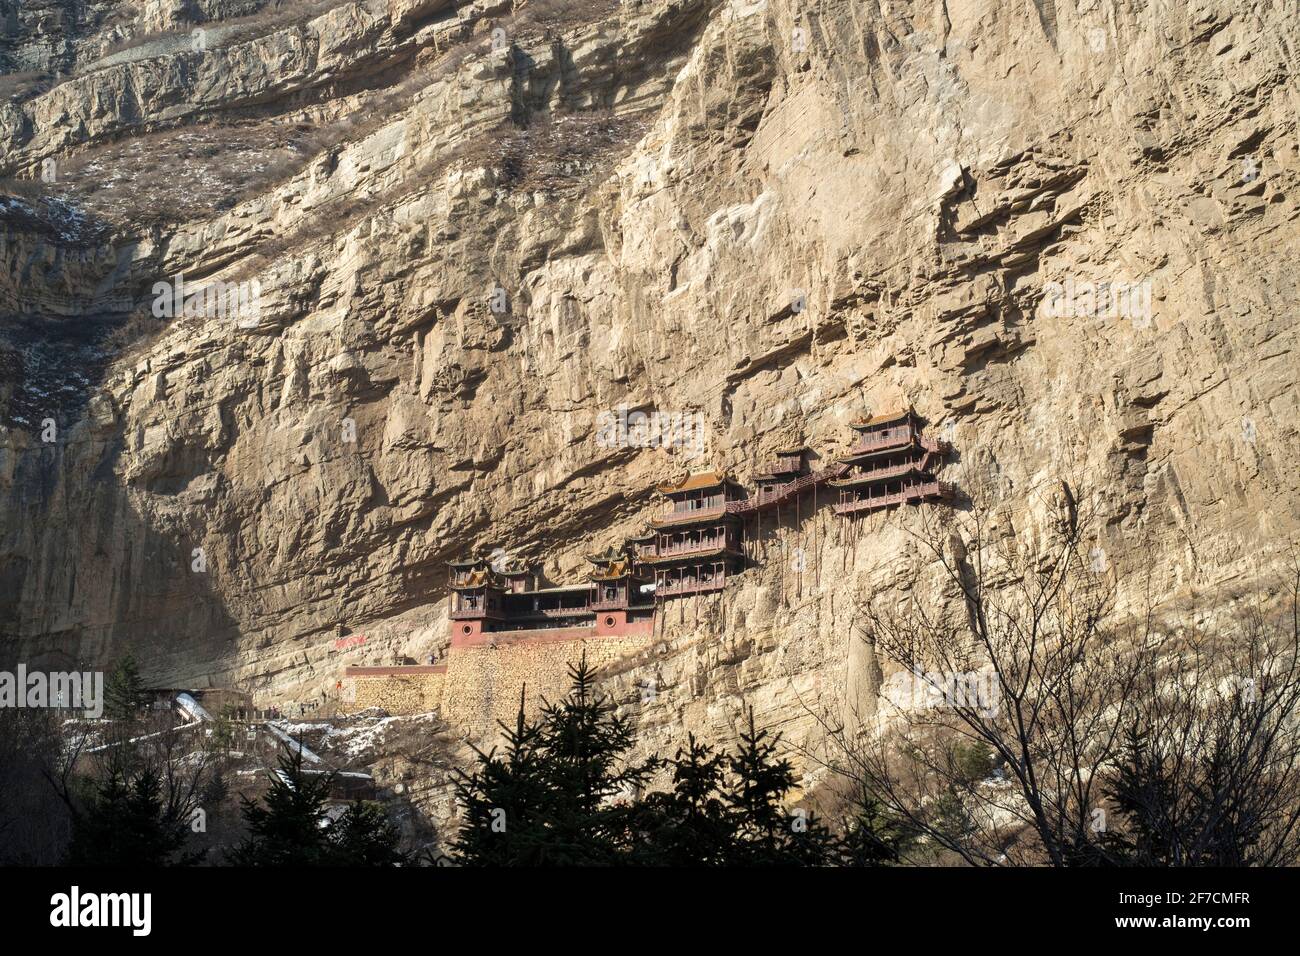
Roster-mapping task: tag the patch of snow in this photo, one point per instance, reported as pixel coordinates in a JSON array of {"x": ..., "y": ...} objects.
[
  {"x": 293, "y": 743},
  {"x": 192, "y": 708}
]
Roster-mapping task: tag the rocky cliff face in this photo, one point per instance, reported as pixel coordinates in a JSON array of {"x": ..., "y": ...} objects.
[{"x": 1064, "y": 230}]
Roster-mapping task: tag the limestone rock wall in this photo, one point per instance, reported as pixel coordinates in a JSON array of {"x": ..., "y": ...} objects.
[{"x": 768, "y": 215}]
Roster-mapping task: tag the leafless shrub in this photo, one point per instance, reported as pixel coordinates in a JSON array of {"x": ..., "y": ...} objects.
[
  {"x": 23, "y": 188},
  {"x": 563, "y": 150},
  {"x": 1209, "y": 770},
  {"x": 1103, "y": 738},
  {"x": 178, "y": 754},
  {"x": 533, "y": 16},
  {"x": 21, "y": 86}
]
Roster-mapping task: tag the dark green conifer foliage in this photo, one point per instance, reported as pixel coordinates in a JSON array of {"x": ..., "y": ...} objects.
[
  {"x": 765, "y": 832},
  {"x": 688, "y": 825},
  {"x": 564, "y": 792},
  {"x": 553, "y": 797},
  {"x": 874, "y": 836},
  {"x": 363, "y": 836},
  {"x": 127, "y": 823},
  {"x": 286, "y": 829},
  {"x": 124, "y": 692},
  {"x": 502, "y": 802},
  {"x": 1168, "y": 821},
  {"x": 290, "y": 827}
]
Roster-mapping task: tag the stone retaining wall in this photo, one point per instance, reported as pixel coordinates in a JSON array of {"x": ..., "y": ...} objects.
[
  {"x": 413, "y": 689},
  {"x": 483, "y": 682}
]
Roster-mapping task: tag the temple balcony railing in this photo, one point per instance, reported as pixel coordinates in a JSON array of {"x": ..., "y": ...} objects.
[
  {"x": 473, "y": 614},
  {"x": 613, "y": 604},
  {"x": 549, "y": 611},
  {"x": 694, "y": 505},
  {"x": 936, "y": 446},
  {"x": 890, "y": 437},
  {"x": 766, "y": 495},
  {"x": 893, "y": 471},
  {"x": 702, "y": 514},
  {"x": 929, "y": 489},
  {"x": 523, "y": 626},
  {"x": 690, "y": 587},
  {"x": 784, "y": 492},
  {"x": 713, "y": 544}
]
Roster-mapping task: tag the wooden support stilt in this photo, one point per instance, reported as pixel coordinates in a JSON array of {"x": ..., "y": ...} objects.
[
  {"x": 842, "y": 536},
  {"x": 817, "y": 566},
  {"x": 722, "y": 596},
  {"x": 780, "y": 591},
  {"x": 803, "y": 554},
  {"x": 696, "y": 600}
]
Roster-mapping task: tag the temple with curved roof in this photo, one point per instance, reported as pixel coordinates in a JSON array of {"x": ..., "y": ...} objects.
[
  {"x": 891, "y": 463},
  {"x": 696, "y": 543}
]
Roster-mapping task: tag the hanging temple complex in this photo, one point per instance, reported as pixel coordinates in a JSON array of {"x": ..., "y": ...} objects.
[{"x": 694, "y": 546}]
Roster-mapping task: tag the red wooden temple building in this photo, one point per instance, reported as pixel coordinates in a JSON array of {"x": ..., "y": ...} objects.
[
  {"x": 621, "y": 591},
  {"x": 488, "y": 599},
  {"x": 789, "y": 464},
  {"x": 476, "y": 596},
  {"x": 891, "y": 463},
  {"x": 782, "y": 480},
  {"x": 697, "y": 541},
  {"x": 696, "y": 544}
]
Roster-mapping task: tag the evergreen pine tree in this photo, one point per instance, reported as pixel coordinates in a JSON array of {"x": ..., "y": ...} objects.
[
  {"x": 1146, "y": 799},
  {"x": 127, "y": 823},
  {"x": 765, "y": 833},
  {"x": 550, "y": 799},
  {"x": 689, "y": 824},
  {"x": 591, "y": 783},
  {"x": 874, "y": 836},
  {"x": 949, "y": 815},
  {"x": 124, "y": 691},
  {"x": 502, "y": 801},
  {"x": 363, "y": 836},
  {"x": 564, "y": 793},
  {"x": 290, "y": 828}
]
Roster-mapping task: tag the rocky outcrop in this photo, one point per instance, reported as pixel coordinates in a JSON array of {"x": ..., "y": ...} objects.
[{"x": 1063, "y": 231}]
